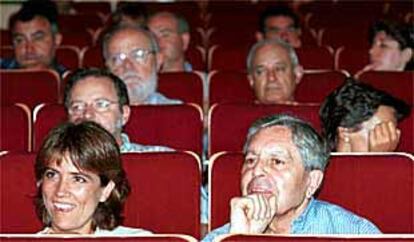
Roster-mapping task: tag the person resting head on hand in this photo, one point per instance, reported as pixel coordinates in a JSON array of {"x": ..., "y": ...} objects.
[
  {"x": 81, "y": 184},
  {"x": 359, "y": 118}
]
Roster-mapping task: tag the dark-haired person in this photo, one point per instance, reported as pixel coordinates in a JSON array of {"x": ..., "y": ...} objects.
[
  {"x": 100, "y": 96},
  {"x": 81, "y": 184},
  {"x": 35, "y": 36},
  {"x": 280, "y": 22},
  {"x": 285, "y": 160},
  {"x": 359, "y": 118},
  {"x": 392, "y": 47},
  {"x": 173, "y": 35}
]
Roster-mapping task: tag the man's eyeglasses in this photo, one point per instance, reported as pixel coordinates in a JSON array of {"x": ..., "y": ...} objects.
[
  {"x": 139, "y": 56},
  {"x": 99, "y": 105}
]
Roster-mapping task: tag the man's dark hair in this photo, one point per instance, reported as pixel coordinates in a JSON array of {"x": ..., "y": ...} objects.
[
  {"x": 34, "y": 8},
  {"x": 134, "y": 10},
  {"x": 275, "y": 11},
  {"x": 80, "y": 74},
  {"x": 400, "y": 32},
  {"x": 353, "y": 103}
]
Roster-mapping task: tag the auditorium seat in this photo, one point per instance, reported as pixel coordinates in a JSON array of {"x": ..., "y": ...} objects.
[
  {"x": 165, "y": 194},
  {"x": 92, "y": 57},
  {"x": 176, "y": 126},
  {"x": 16, "y": 128},
  {"x": 80, "y": 38},
  {"x": 378, "y": 186},
  {"x": 351, "y": 59},
  {"x": 160, "y": 193},
  {"x": 186, "y": 86},
  {"x": 315, "y": 238},
  {"x": 233, "y": 86},
  {"x": 397, "y": 83},
  {"x": 30, "y": 87},
  {"x": 112, "y": 238},
  {"x": 228, "y": 123},
  {"x": 76, "y": 22}
]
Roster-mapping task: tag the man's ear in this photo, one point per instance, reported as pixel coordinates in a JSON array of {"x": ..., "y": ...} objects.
[
  {"x": 259, "y": 36},
  {"x": 126, "y": 113},
  {"x": 298, "y": 71},
  {"x": 407, "y": 55},
  {"x": 185, "y": 37},
  {"x": 251, "y": 80},
  {"x": 159, "y": 59},
  {"x": 315, "y": 180},
  {"x": 106, "y": 192},
  {"x": 58, "y": 39}
]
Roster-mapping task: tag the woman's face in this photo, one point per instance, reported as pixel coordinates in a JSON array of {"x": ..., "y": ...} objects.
[{"x": 71, "y": 197}]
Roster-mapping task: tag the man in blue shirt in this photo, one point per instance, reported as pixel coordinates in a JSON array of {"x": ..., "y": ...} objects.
[
  {"x": 285, "y": 159},
  {"x": 35, "y": 36}
]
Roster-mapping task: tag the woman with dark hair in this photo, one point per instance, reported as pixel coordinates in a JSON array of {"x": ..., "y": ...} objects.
[{"x": 81, "y": 183}]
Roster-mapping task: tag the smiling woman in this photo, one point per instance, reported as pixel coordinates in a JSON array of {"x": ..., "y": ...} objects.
[{"x": 81, "y": 183}]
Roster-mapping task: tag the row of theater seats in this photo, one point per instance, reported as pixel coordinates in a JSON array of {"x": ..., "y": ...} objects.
[
  {"x": 378, "y": 186},
  {"x": 217, "y": 87},
  {"x": 177, "y": 126}
]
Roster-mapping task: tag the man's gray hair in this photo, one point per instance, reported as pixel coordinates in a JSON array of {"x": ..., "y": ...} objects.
[
  {"x": 277, "y": 42},
  {"x": 182, "y": 23},
  {"x": 121, "y": 27},
  {"x": 312, "y": 148}
]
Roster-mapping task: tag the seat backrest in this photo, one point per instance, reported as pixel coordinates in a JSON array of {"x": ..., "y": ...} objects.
[
  {"x": 15, "y": 128},
  {"x": 155, "y": 203},
  {"x": 315, "y": 58},
  {"x": 407, "y": 129},
  {"x": 17, "y": 189},
  {"x": 186, "y": 86},
  {"x": 130, "y": 238},
  {"x": 228, "y": 123},
  {"x": 165, "y": 195},
  {"x": 378, "y": 186},
  {"x": 351, "y": 59},
  {"x": 29, "y": 87},
  {"x": 397, "y": 83},
  {"x": 92, "y": 57},
  {"x": 176, "y": 126}
]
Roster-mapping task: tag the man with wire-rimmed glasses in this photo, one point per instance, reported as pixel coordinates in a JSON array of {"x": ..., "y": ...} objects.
[
  {"x": 100, "y": 96},
  {"x": 132, "y": 53}
]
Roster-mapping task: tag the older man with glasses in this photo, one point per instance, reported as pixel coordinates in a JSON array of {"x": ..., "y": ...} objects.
[
  {"x": 132, "y": 54},
  {"x": 100, "y": 96}
]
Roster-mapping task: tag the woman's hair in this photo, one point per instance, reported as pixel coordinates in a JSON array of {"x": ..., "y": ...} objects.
[{"x": 90, "y": 148}]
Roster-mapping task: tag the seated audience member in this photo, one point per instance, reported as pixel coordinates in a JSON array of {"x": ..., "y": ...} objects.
[
  {"x": 273, "y": 71},
  {"x": 285, "y": 159},
  {"x": 172, "y": 32},
  {"x": 81, "y": 184},
  {"x": 280, "y": 22},
  {"x": 100, "y": 96},
  {"x": 35, "y": 36},
  {"x": 392, "y": 47},
  {"x": 134, "y": 13},
  {"x": 132, "y": 53},
  {"x": 359, "y": 118}
]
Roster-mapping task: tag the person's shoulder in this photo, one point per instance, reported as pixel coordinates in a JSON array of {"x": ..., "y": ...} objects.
[
  {"x": 225, "y": 229},
  {"x": 122, "y": 230},
  {"x": 345, "y": 220},
  {"x": 8, "y": 63},
  {"x": 158, "y": 98}
]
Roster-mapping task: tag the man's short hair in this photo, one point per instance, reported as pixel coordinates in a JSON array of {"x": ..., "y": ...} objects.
[
  {"x": 134, "y": 10},
  {"x": 36, "y": 8},
  {"x": 312, "y": 147},
  {"x": 183, "y": 26},
  {"x": 353, "y": 103},
  {"x": 121, "y": 27},
  {"x": 276, "y": 11},
  {"x": 80, "y": 74},
  {"x": 252, "y": 53}
]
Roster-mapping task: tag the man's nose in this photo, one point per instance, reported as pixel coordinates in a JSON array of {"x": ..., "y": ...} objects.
[
  {"x": 271, "y": 75},
  {"x": 89, "y": 113},
  {"x": 29, "y": 46},
  {"x": 258, "y": 168}
]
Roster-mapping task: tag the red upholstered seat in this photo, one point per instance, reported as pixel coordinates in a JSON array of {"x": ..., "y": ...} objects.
[
  {"x": 351, "y": 59},
  {"x": 29, "y": 87},
  {"x": 163, "y": 200},
  {"x": 176, "y": 126},
  {"x": 120, "y": 238},
  {"x": 15, "y": 128},
  {"x": 165, "y": 194},
  {"x": 378, "y": 186},
  {"x": 228, "y": 123},
  {"x": 397, "y": 83},
  {"x": 186, "y": 86},
  {"x": 318, "y": 238},
  {"x": 92, "y": 57},
  {"x": 17, "y": 189}
]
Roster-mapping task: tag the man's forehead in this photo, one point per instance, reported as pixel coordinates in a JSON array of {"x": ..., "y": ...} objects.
[
  {"x": 33, "y": 25},
  {"x": 279, "y": 21},
  {"x": 131, "y": 39},
  {"x": 270, "y": 52}
]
